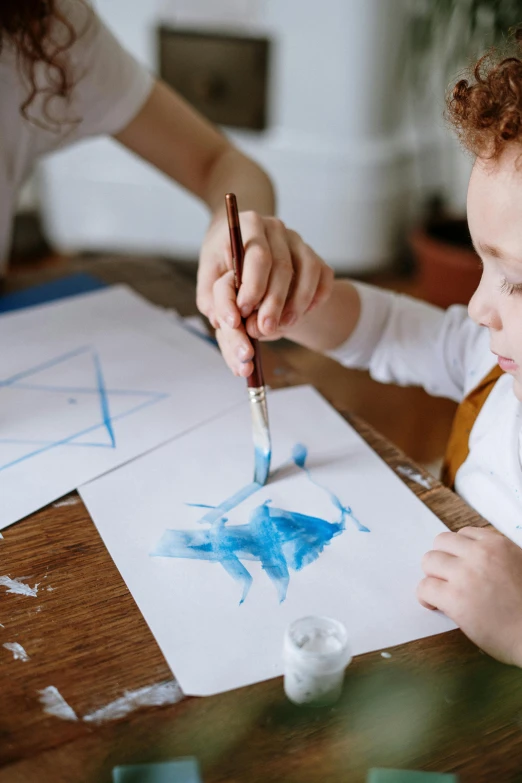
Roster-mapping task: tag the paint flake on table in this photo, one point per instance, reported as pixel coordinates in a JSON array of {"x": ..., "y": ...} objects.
[
  {"x": 19, "y": 654},
  {"x": 17, "y": 586}
]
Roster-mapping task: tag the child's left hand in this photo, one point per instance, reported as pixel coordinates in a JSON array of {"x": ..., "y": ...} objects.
[{"x": 475, "y": 578}]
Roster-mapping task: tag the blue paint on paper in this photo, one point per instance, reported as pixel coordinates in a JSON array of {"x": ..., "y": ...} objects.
[
  {"x": 103, "y": 398},
  {"x": 299, "y": 455},
  {"x": 277, "y": 538},
  {"x": 216, "y": 512},
  {"x": 43, "y": 366},
  {"x": 103, "y": 420},
  {"x": 262, "y": 465}
]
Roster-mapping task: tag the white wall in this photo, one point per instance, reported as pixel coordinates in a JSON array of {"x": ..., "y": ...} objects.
[{"x": 339, "y": 147}]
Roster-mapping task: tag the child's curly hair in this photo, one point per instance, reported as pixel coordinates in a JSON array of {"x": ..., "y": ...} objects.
[
  {"x": 40, "y": 34},
  {"x": 486, "y": 107}
]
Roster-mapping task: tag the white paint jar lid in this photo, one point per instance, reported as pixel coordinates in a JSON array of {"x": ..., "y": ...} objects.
[{"x": 316, "y": 645}]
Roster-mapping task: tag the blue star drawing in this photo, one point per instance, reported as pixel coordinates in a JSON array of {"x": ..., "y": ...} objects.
[
  {"x": 279, "y": 539},
  {"x": 38, "y": 414}
]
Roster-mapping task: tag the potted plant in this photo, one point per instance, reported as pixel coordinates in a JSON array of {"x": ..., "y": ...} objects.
[{"x": 445, "y": 35}]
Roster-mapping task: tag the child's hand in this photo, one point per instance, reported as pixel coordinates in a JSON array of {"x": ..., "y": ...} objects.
[
  {"x": 475, "y": 578},
  {"x": 282, "y": 280}
]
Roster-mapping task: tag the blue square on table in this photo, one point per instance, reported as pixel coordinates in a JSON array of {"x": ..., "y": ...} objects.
[
  {"x": 185, "y": 770},
  {"x": 408, "y": 776},
  {"x": 63, "y": 287}
]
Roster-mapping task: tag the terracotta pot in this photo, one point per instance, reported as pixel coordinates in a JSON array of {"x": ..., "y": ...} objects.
[{"x": 448, "y": 267}]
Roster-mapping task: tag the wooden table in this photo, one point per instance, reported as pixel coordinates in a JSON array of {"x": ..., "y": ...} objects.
[{"x": 435, "y": 704}]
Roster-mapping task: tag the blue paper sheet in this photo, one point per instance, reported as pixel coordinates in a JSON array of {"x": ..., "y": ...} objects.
[{"x": 72, "y": 285}]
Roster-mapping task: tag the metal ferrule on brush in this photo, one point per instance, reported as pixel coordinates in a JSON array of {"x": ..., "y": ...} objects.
[{"x": 257, "y": 396}]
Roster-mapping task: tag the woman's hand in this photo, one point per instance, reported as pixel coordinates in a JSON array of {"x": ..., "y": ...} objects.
[
  {"x": 475, "y": 578},
  {"x": 283, "y": 278}
]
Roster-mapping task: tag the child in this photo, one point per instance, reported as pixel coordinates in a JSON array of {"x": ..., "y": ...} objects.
[
  {"x": 475, "y": 575},
  {"x": 64, "y": 77}
]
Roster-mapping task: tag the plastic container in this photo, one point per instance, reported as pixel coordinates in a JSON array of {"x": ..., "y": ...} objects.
[{"x": 315, "y": 655}]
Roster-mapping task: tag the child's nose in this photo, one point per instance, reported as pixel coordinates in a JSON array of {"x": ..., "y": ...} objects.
[{"x": 482, "y": 308}]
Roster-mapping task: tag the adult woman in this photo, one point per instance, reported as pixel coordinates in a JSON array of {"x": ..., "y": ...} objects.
[{"x": 64, "y": 77}]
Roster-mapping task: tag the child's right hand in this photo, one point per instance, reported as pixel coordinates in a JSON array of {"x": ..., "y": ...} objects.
[
  {"x": 310, "y": 288},
  {"x": 475, "y": 578}
]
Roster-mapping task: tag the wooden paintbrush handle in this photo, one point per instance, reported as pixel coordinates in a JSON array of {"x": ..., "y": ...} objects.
[{"x": 238, "y": 252}]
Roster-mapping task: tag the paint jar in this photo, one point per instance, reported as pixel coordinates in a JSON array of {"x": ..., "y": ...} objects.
[{"x": 315, "y": 655}]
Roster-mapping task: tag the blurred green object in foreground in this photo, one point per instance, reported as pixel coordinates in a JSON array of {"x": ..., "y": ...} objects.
[
  {"x": 408, "y": 776},
  {"x": 183, "y": 770},
  {"x": 453, "y": 33}
]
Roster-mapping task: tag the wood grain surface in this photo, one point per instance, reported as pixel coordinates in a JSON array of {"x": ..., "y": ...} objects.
[{"x": 435, "y": 704}]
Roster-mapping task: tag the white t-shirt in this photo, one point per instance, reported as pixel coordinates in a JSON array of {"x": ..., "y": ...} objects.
[
  {"x": 404, "y": 341},
  {"x": 109, "y": 89}
]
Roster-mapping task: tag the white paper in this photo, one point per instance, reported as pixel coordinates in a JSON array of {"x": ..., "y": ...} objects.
[
  {"x": 367, "y": 580},
  {"x": 90, "y": 382}
]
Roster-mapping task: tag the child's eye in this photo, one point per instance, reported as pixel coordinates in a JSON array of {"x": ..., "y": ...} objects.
[{"x": 510, "y": 288}]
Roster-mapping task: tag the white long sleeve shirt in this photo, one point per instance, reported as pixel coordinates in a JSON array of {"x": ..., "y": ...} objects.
[
  {"x": 110, "y": 87},
  {"x": 404, "y": 341}
]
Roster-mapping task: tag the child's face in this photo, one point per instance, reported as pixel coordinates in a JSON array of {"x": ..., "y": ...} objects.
[{"x": 495, "y": 223}]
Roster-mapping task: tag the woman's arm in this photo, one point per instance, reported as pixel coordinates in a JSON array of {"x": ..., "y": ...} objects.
[{"x": 175, "y": 138}]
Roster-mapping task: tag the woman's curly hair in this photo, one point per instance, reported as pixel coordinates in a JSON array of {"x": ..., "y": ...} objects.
[
  {"x": 486, "y": 107},
  {"x": 41, "y": 34}
]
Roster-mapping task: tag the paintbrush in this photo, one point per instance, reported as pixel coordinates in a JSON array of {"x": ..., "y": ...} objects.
[{"x": 255, "y": 382}]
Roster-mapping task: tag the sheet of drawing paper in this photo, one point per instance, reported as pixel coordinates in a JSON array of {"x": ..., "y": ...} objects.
[
  {"x": 153, "y": 319},
  {"x": 91, "y": 382},
  {"x": 120, "y": 303},
  {"x": 219, "y": 566}
]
